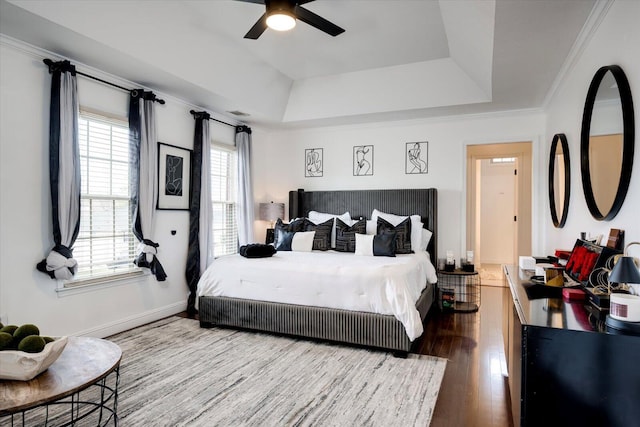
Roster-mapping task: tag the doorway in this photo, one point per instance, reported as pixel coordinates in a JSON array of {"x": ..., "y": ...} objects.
[{"x": 499, "y": 178}]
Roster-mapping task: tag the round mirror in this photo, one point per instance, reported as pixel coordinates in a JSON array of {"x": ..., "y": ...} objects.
[
  {"x": 559, "y": 180},
  {"x": 607, "y": 142}
]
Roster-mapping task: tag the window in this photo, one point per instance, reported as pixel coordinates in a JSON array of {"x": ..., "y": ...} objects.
[
  {"x": 105, "y": 246},
  {"x": 223, "y": 198},
  {"x": 503, "y": 160}
]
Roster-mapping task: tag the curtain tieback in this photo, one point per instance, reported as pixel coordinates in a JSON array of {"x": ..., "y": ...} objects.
[
  {"x": 60, "y": 263},
  {"x": 149, "y": 248}
]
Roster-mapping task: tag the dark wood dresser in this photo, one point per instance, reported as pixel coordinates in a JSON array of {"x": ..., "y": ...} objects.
[{"x": 564, "y": 368}]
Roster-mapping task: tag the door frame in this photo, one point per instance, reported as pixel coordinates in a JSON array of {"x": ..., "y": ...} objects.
[{"x": 523, "y": 152}]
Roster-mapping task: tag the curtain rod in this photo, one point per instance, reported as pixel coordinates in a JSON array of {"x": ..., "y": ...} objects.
[
  {"x": 193, "y": 112},
  {"x": 49, "y": 62}
]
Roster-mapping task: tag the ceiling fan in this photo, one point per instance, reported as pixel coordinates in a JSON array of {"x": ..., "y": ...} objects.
[{"x": 281, "y": 15}]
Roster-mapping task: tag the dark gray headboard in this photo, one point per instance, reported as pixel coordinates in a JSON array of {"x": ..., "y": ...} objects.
[{"x": 360, "y": 203}]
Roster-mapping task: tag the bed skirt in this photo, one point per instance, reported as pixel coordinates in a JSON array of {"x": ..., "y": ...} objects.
[{"x": 353, "y": 327}]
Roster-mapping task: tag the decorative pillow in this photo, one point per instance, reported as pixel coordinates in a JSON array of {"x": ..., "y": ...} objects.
[
  {"x": 319, "y": 217},
  {"x": 416, "y": 224},
  {"x": 300, "y": 241},
  {"x": 322, "y": 238},
  {"x": 376, "y": 245},
  {"x": 426, "y": 238},
  {"x": 295, "y": 225},
  {"x": 403, "y": 234},
  {"x": 345, "y": 235},
  {"x": 372, "y": 226}
]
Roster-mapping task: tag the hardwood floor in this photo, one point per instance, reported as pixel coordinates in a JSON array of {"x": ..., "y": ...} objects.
[{"x": 474, "y": 391}]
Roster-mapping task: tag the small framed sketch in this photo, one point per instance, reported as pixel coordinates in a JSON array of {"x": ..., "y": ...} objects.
[
  {"x": 174, "y": 177},
  {"x": 416, "y": 157},
  {"x": 313, "y": 162},
  {"x": 363, "y": 160}
]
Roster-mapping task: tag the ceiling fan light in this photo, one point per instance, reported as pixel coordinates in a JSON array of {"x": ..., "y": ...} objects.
[{"x": 281, "y": 21}]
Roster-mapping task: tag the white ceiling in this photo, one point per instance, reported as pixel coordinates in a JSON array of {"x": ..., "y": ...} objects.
[{"x": 397, "y": 59}]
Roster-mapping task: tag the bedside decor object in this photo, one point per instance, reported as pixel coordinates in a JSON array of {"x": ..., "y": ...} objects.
[
  {"x": 174, "y": 175},
  {"x": 270, "y": 212},
  {"x": 607, "y": 142},
  {"x": 313, "y": 162},
  {"x": 23, "y": 366}
]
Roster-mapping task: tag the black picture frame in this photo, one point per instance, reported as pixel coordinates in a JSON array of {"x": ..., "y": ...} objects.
[
  {"x": 416, "y": 158},
  {"x": 313, "y": 162},
  {"x": 363, "y": 160},
  {"x": 174, "y": 177}
]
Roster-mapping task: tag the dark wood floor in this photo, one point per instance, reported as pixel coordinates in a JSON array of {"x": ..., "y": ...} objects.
[{"x": 474, "y": 392}]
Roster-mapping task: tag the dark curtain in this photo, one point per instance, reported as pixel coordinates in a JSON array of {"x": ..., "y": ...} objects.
[
  {"x": 64, "y": 171},
  {"x": 199, "y": 253},
  {"x": 143, "y": 181}
]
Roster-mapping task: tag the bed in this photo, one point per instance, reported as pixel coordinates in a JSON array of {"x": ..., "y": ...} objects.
[{"x": 391, "y": 328}]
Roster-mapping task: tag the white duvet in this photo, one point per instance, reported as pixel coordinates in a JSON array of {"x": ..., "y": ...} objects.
[{"x": 383, "y": 285}]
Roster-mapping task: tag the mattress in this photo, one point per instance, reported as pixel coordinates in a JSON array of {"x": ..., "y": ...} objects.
[{"x": 383, "y": 285}]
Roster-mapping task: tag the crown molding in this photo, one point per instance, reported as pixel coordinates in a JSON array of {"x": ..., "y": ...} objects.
[{"x": 597, "y": 15}]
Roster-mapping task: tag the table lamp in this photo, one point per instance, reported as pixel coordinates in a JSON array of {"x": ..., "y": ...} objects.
[
  {"x": 624, "y": 310},
  {"x": 270, "y": 212}
]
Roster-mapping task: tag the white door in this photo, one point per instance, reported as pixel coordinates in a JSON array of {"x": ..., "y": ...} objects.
[{"x": 497, "y": 210}]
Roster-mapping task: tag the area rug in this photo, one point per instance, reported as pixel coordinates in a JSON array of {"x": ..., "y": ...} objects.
[{"x": 174, "y": 373}]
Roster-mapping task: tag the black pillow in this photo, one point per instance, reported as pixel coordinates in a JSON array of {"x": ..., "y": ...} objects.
[
  {"x": 346, "y": 235},
  {"x": 403, "y": 234},
  {"x": 322, "y": 238},
  {"x": 257, "y": 250},
  {"x": 384, "y": 244},
  {"x": 283, "y": 239},
  {"x": 297, "y": 225}
]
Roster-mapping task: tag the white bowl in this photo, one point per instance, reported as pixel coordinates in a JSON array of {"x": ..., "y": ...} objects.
[{"x": 23, "y": 366}]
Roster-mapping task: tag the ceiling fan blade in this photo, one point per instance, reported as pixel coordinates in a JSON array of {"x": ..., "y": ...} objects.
[
  {"x": 317, "y": 21},
  {"x": 257, "y": 29},
  {"x": 254, "y": 1},
  {"x": 304, "y": 1}
]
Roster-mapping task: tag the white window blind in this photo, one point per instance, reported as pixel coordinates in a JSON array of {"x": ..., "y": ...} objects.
[
  {"x": 105, "y": 245},
  {"x": 223, "y": 198}
]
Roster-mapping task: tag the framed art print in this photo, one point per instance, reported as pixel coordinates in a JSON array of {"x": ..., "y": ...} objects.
[
  {"x": 416, "y": 157},
  {"x": 174, "y": 177},
  {"x": 363, "y": 160},
  {"x": 313, "y": 162}
]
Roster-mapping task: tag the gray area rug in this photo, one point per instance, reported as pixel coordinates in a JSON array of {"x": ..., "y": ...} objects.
[{"x": 173, "y": 373}]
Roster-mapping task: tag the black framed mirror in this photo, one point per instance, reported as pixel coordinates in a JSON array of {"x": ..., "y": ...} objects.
[
  {"x": 607, "y": 142},
  {"x": 559, "y": 180}
]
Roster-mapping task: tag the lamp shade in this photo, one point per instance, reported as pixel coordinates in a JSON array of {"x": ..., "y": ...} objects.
[
  {"x": 271, "y": 211},
  {"x": 625, "y": 271}
]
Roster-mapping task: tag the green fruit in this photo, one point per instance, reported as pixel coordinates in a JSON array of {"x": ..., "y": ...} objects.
[
  {"x": 47, "y": 340},
  {"x": 32, "y": 344},
  {"x": 10, "y": 329},
  {"x": 5, "y": 340},
  {"x": 24, "y": 331}
]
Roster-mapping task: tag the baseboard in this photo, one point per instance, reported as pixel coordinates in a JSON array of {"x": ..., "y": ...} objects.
[{"x": 131, "y": 322}]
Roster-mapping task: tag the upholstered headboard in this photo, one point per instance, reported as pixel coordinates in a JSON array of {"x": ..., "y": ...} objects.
[{"x": 360, "y": 203}]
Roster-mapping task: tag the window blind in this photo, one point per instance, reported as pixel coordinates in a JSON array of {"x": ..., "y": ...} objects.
[
  {"x": 223, "y": 200},
  {"x": 105, "y": 245}
]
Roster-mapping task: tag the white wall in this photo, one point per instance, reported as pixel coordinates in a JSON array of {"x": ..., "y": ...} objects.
[
  {"x": 280, "y": 161},
  {"x": 616, "y": 41},
  {"x": 27, "y": 295}
]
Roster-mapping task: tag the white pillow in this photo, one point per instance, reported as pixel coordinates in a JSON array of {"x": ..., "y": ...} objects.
[
  {"x": 302, "y": 241},
  {"x": 416, "y": 226},
  {"x": 320, "y": 217},
  {"x": 364, "y": 244},
  {"x": 372, "y": 227},
  {"x": 426, "y": 238}
]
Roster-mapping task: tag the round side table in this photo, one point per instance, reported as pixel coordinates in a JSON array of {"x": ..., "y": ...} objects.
[
  {"x": 87, "y": 365},
  {"x": 459, "y": 290}
]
